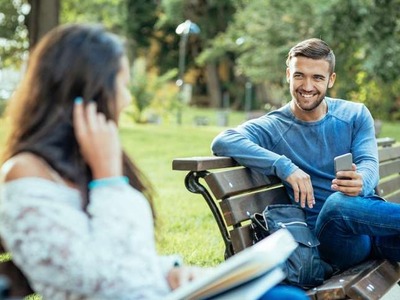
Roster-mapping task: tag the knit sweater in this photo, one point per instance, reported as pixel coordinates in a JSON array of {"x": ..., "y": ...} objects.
[
  {"x": 107, "y": 252},
  {"x": 278, "y": 144}
]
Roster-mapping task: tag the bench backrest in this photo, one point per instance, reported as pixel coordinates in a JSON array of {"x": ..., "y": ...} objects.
[
  {"x": 389, "y": 172},
  {"x": 241, "y": 192}
]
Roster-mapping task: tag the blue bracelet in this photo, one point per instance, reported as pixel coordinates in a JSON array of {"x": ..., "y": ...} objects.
[{"x": 118, "y": 180}]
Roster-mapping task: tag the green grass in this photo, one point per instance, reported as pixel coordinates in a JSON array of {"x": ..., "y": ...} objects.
[
  {"x": 184, "y": 222},
  {"x": 391, "y": 129}
]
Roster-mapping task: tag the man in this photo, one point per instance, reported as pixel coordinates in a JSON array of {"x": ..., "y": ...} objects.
[{"x": 298, "y": 143}]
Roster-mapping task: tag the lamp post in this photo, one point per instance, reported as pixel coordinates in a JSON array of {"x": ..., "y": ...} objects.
[
  {"x": 183, "y": 30},
  {"x": 248, "y": 86}
]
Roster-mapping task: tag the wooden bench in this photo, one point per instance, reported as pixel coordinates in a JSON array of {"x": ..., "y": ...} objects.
[{"x": 233, "y": 191}]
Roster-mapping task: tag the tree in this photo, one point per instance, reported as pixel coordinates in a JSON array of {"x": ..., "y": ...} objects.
[
  {"x": 368, "y": 46},
  {"x": 212, "y": 17},
  {"x": 365, "y": 35},
  {"x": 111, "y": 13},
  {"x": 43, "y": 16},
  {"x": 12, "y": 32},
  {"x": 260, "y": 35}
]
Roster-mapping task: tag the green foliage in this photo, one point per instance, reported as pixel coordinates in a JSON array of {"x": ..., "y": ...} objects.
[
  {"x": 262, "y": 43},
  {"x": 142, "y": 16},
  {"x": 367, "y": 46},
  {"x": 212, "y": 17},
  {"x": 151, "y": 91},
  {"x": 8, "y": 19},
  {"x": 249, "y": 37},
  {"x": 13, "y": 33},
  {"x": 365, "y": 35},
  {"x": 111, "y": 13}
]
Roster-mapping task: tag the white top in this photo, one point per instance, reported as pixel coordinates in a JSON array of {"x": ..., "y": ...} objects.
[{"x": 65, "y": 253}]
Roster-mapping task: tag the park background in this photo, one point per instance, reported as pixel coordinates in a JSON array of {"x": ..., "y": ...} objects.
[{"x": 200, "y": 66}]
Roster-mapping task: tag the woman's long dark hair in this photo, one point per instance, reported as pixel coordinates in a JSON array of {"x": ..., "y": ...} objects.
[{"x": 70, "y": 61}]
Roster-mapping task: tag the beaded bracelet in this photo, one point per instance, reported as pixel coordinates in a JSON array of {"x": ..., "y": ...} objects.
[{"x": 117, "y": 180}]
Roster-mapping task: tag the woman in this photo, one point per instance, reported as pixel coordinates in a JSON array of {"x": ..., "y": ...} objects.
[{"x": 75, "y": 210}]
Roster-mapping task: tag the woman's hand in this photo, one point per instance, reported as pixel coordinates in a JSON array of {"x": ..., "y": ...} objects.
[
  {"x": 182, "y": 275},
  {"x": 98, "y": 140}
]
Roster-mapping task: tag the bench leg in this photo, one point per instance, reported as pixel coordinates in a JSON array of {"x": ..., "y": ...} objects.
[{"x": 193, "y": 185}]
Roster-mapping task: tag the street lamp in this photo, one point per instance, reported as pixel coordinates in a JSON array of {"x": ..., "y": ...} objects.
[
  {"x": 184, "y": 30},
  {"x": 248, "y": 86}
]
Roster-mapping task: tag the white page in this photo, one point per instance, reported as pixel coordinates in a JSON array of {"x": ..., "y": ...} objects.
[{"x": 248, "y": 264}]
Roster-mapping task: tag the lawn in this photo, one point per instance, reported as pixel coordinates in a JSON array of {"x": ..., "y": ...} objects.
[{"x": 184, "y": 222}]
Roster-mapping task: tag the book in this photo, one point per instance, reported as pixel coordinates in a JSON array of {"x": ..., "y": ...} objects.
[
  {"x": 250, "y": 272},
  {"x": 253, "y": 289}
]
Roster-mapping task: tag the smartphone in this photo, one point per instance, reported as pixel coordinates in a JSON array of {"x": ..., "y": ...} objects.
[{"x": 343, "y": 162}]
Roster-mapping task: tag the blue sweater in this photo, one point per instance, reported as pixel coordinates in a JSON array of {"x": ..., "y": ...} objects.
[{"x": 278, "y": 144}]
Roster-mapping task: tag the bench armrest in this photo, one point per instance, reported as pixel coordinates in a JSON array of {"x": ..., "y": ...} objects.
[{"x": 202, "y": 163}]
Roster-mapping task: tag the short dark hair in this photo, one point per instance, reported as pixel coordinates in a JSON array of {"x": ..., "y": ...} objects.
[{"x": 315, "y": 49}]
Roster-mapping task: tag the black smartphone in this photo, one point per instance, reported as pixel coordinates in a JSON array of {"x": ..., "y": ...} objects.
[{"x": 343, "y": 162}]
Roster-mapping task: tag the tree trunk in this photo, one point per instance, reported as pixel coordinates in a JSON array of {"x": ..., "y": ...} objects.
[
  {"x": 44, "y": 15},
  {"x": 213, "y": 85}
]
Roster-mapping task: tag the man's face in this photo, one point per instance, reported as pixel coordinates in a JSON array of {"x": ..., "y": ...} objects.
[{"x": 309, "y": 80}]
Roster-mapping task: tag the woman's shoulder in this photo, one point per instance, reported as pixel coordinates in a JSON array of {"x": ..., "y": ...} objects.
[{"x": 23, "y": 165}]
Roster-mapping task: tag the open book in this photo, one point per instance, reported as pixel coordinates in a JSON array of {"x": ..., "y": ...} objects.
[{"x": 250, "y": 272}]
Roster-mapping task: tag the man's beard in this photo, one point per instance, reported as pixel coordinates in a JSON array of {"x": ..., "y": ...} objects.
[
  {"x": 321, "y": 97},
  {"x": 314, "y": 106}
]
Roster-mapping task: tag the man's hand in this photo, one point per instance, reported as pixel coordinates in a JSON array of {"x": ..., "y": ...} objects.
[
  {"x": 302, "y": 188},
  {"x": 348, "y": 182}
]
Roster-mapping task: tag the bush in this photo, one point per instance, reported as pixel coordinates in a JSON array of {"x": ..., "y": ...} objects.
[{"x": 152, "y": 93}]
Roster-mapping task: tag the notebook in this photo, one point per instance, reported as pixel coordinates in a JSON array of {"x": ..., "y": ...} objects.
[{"x": 246, "y": 275}]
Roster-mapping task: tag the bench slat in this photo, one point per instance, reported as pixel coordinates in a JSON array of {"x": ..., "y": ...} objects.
[
  {"x": 241, "y": 238},
  {"x": 389, "y": 167},
  {"x": 357, "y": 282},
  {"x": 202, "y": 163},
  {"x": 376, "y": 282},
  {"x": 388, "y": 153},
  {"x": 229, "y": 183},
  {"x": 388, "y": 186},
  {"x": 232, "y": 208}
]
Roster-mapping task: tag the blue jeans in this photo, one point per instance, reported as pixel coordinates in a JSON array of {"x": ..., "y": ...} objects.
[
  {"x": 353, "y": 229},
  {"x": 285, "y": 292}
]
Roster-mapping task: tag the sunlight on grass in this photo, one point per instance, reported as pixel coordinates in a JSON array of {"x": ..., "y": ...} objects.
[{"x": 185, "y": 224}]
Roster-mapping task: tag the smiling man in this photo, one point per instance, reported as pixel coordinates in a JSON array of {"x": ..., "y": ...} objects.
[
  {"x": 298, "y": 143},
  {"x": 309, "y": 80}
]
